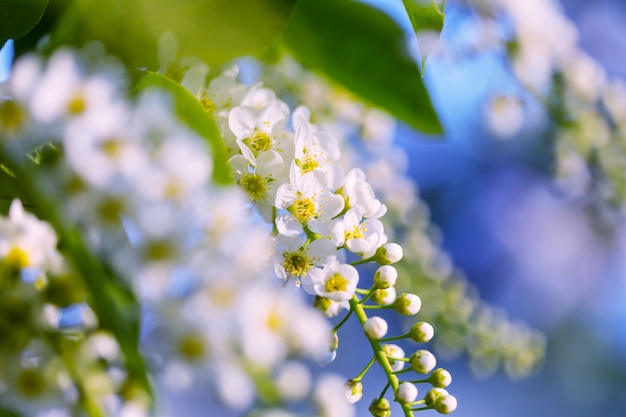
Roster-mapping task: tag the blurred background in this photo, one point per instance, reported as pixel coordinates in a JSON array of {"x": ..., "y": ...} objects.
[{"x": 546, "y": 259}]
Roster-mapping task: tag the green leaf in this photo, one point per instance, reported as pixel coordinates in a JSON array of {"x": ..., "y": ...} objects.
[
  {"x": 213, "y": 30},
  {"x": 427, "y": 19},
  {"x": 363, "y": 49},
  {"x": 193, "y": 114},
  {"x": 18, "y": 17}
]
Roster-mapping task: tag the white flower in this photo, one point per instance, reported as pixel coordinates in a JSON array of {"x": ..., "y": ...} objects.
[
  {"x": 261, "y": 180},
  {"x": 422, "y": 361},
  {"x": 353, "y": 390},
  {"x": 316, "y": 150},
  {"x": 446, "y": 404},
  {"x": 389, "y": 253},
  {"x": 27, "y": 242},
  {"x": 334, "y": 281},
  {"x": 408, "y": 304},
  {"x": 295, "y": 259},
  {"x": 293, "y": 381},
  {"x": 262, "y": 130},
  {"x": 385, "y": 276},
  {"x": 406, "y": 392},
  {"x": 359, "y": 193},
  {"x": 330, "y": 398},
  {"x": 422, "y": 332},
  {"x": 394, "y": 355},
  {"x": 308, "y": 202},
  {"x": 375, "y": 327},
  {"x": 360, "y": 236}
]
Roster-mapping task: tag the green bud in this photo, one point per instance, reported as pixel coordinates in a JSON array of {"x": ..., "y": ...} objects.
[
  {"x": 380, "y": 407},
  {"x": 440, "y": 378},
  {"x": 422, "y": 361},
  {"x": 433, "y": 394},
  {"x": 421, "y": 332},
  {"x": 445, "y": 404},
  {"x": 389, "y": 253}
]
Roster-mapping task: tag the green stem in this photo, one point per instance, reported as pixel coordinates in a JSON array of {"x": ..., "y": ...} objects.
[
  {"x": 364, "y": 371},
  {"x": 392, "y": 338},
  {"x": 362, "y": 261},
  {"x": 338, "y": 326},
  {"x": 379, "y": 353}
]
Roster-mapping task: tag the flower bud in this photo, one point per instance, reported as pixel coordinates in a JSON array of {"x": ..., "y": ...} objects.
[
  {"x": 408, "y": 304},
  {"x": 393, "y": 353},
  {"x": 380, "y": 407},
  {"x": 440, "y": 378},
  {"x": 445, "y": 404},
  {"x": 406, "y": 392},
  {"x": 384, "y": 297},
  {"x": 422, "y": 361},
  {"x": 389, "y": 253},
  {"x": 375, "y": 327},
  {"x": 385, "y": 277},
  {"x": 353, "y": 390},
  {"x": 433, "y": 394},
  {"x": 421, "y": 332}
]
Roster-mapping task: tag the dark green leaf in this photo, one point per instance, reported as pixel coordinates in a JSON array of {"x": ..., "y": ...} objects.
[
  {"x": 193, "y": 114},
  {"x": 363, "y": 49},
  {"x": 427, "y": 18},
  {"x": 213, "y": 30},
  {"x": 18, "y": 17}
]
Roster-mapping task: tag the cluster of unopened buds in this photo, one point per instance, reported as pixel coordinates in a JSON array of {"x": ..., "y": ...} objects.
[{"x": 392, "y": 357}]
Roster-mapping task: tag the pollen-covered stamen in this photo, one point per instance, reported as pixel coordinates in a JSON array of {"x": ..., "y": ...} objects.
[
  {"x": 303, "y": 209},
  {"x": 297, "y": 263},
  {"x": 255, "y": 185},
  {"x": 258, "y": 142},
  {"x": 307, "y": 163},
  {"x": 206, "y": 103},
  {"x": 11, "y": 116},
  {"x": 356, "y": 232},
  {"x": 336, "y": 282}
]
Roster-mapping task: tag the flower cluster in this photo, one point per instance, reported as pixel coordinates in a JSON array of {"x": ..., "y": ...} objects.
[
  {"x": 137, "y": 184},
  {"x": 465, "y": 323},
  {"x": 326, "y": 220}
]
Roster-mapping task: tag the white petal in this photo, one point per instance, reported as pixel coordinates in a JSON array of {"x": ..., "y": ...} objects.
[{"x": 287, "y": 225}]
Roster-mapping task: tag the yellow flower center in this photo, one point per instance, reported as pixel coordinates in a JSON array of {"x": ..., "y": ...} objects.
[
  {"x": 307, "y": 164},
  {"x": 254, "y": 185},
  {"x": 16, "y": 258},
  {"x": 110, "y": 209},
  {"x": 158, "y": 250},
  {"x": 77, "y": 105},
  {"x": 336, "y": 283},
  {"x": 296, "y": 263},
  {"x": 192, "y": 347},
  {"x": 11, "y": 116},
  {"x": 111, "y": 147},
  {"x": 31, "y": 383},
  {"x": 274, "y": 322},
  {"x": 258, "y": 142},
  {"x": 304, "y": 209},
  {"x": 207, "y": 104},
  {"x": 355, "y": 233}
]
